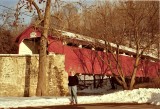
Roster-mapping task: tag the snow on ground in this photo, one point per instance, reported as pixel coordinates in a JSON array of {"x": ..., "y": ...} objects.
[{"x": 141, "y": 95}]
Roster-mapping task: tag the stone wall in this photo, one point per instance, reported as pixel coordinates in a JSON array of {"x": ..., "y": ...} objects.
[{"x": 18, "y": 75}]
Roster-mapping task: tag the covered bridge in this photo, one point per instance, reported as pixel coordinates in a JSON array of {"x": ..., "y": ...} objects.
[{"x": 84, "y": 58}]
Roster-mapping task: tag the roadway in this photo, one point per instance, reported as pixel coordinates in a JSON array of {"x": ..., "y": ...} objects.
[{"x": 98, "y": 106}]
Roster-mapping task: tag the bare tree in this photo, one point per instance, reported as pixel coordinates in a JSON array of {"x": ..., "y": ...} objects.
[
  {"x": 129, "y": 23},
  {"x": 143, "y": 18},
  {"x": 8, "y": 31},
  {"x": 136, "y": 20},
  {"x": 41, "y": 85},
  {"x": 44, "y": 23}
]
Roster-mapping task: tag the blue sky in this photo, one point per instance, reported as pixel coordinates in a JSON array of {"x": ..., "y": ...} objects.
[
  {"x": 9, "y": 3},
  {"x": 12, "y": 4}
]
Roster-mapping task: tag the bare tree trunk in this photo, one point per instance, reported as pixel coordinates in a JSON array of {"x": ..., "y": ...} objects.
[
  {"x": 41, "y": 84},
  {"x": 122, "y": 82},
  {"x": 94, "y": 82},
  {"x": 134, "y": 73}
]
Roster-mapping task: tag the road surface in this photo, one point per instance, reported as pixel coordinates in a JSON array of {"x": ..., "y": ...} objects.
[{"x": 99, "y": 106}]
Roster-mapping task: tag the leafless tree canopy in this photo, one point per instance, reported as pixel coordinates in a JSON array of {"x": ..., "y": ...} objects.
[{"x": 123, "y": 22}]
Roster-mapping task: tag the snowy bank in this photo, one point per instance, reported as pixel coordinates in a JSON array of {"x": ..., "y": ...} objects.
[{"x": 141, "y": 95}]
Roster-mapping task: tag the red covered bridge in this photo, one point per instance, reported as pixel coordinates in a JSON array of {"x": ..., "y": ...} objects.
[{"x": 80, "y": 56}]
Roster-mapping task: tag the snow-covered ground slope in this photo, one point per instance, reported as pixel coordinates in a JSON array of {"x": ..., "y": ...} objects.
[{"x": 142, "y": 95}]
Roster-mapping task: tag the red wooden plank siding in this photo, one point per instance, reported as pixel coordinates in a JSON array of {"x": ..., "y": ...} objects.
[
  {"x": 87, "y": 61},
  {"x": 84, "y": 60}
]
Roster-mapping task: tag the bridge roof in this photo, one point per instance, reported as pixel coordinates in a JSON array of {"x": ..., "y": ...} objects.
[{"x": 32, "y": 32}]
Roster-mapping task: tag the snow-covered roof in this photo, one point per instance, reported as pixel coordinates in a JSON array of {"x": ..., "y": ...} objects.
[
  {"x": 83, "y": 38},
  {"x": 93, "y": 40}
]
